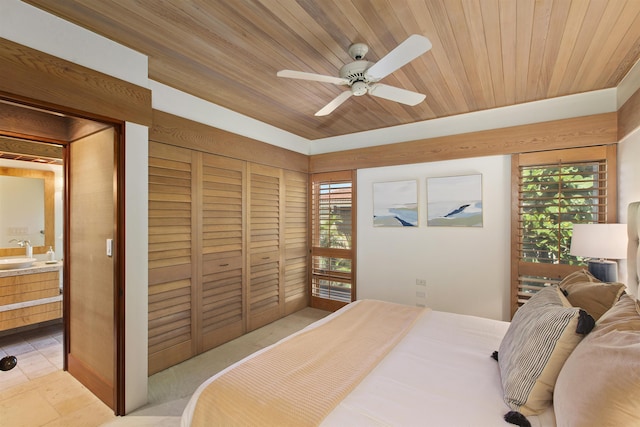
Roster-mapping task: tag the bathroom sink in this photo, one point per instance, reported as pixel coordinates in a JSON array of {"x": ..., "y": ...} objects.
[{"x": 13, "y": 263}]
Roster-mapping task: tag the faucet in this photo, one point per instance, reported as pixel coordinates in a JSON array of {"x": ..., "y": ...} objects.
[{"x": 24, "y": 244}]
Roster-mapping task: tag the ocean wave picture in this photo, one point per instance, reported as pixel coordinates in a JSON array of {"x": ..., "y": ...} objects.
[
  {"x": 455, "y": 201},
  {"x": 395, "y": 204}
]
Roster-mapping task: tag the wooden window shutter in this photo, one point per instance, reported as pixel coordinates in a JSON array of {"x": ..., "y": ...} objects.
[
  {"x": 551, "y": 191},
  {"x": 333, "y": 237}
]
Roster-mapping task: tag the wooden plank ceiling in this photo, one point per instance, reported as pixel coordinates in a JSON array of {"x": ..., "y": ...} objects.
[{"x": 485, "y": 54}]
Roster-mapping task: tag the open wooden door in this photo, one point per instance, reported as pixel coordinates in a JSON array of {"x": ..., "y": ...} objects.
[{"x": 92, "y": 333}]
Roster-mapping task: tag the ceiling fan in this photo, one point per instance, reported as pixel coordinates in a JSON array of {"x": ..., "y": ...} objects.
[{"x": 362, "y": 76}]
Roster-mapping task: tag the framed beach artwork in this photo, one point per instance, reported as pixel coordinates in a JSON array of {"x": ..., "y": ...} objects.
[
  {"x": 454, "y": 201},
  {"x": 395, "y": 204}
]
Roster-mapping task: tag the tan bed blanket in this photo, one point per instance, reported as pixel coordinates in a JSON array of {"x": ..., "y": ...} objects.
[{"x": 299, "y": 381}]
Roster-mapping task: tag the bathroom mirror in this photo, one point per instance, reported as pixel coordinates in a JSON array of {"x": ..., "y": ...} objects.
[{"x": 26, "y": 210}]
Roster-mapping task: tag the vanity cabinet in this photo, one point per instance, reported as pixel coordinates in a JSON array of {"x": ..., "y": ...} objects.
[
  {"x": 227, "y": 249},
  {"x": 28, "y": 296}
]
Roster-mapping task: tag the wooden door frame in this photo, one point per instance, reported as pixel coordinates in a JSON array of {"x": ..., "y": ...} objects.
[
  {"x": 119, "y": 272},
  {"x": 46, "y": 81},
  {"x": 119, "y": 237}
]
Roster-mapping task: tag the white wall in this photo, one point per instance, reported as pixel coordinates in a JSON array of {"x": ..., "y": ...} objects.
[
  {"x": 137, "y": 269},
  {"x": 466, "y": 269}
]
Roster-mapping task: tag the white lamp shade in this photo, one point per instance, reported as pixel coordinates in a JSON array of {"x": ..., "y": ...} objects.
[{"x": 604, "y": 241}]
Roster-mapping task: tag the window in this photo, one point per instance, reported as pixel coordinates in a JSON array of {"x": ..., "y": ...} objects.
[
  {"x": 552, "y": 191},
  {"x": 332, "y": 240}
]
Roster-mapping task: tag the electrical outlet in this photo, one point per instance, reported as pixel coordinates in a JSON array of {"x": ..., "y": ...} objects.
[{"x": 421, "y": 282}]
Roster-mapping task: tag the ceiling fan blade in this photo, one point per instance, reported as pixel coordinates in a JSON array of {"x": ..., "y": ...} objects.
[
  {"x": 396, "y": 94},
  {"x": 311, "y": 76},
  {"x": 337, "y": 101},
  {"x": 404, "y": 53}
]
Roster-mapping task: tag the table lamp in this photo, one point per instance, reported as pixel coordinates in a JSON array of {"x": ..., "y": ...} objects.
[{"x": 601, "y": 243}]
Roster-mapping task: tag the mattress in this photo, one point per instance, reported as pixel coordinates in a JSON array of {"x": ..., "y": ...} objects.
[{"x": 440, "y": 374}]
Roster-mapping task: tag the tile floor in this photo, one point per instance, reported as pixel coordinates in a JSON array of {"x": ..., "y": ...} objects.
[
  {"x": 39, "y": 352},
  {"x": 37, "y": 392},
  {"x": 52, "y": 400}
]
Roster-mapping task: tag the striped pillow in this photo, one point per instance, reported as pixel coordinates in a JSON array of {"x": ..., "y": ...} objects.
[{"x": 541, "y": 336}]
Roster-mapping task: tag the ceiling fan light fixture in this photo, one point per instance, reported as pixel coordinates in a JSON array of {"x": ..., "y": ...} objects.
[
  {"x": 363, "y": 76},
  {"x": 359, "y": 88}
]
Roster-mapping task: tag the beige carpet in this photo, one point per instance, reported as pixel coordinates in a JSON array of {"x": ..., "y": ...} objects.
[
  {"x": 170, "y": 390},
  {"x": 139, "y": 421}
]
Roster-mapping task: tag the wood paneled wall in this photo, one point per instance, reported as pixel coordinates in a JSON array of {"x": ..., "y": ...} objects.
[
  {"x": 28, "y": 74},
  {"x": 598, "y": 129},
  {"x": 629, "y": 116},
  {"x": 186, "y": 133}
]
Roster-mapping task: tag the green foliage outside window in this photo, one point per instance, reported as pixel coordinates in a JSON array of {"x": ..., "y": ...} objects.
[
  {"x": 552, "y": 200},
  {"x": 335, "y": 228},
  {"x": 335, "y": 223}
]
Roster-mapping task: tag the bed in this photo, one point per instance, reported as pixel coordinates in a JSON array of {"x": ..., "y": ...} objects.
[{"x": 396, "y": 365}]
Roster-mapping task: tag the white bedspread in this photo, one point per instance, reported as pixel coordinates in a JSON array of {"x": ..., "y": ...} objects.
[{"x": 440, "y": 374}]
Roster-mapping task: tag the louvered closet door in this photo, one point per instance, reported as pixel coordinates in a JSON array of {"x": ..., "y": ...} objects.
[
  {"x": 222, "y": 250},
  {"x": 265, "y": 296},
  {"x": 296, "y": 244},
  {"x": 171, "y": 326}
]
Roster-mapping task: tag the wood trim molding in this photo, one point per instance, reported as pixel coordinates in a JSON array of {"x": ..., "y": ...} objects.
[
  {"x": 18, "y": 120},
  {"x": 174, "y": 130},
  {"x": 584, "y": 131},
  {"x": 629, "y": 116},
  {"x": 28, "y": 74},
  {"x": 30, "y": 148},
  {"x": 30, "y": 124}
]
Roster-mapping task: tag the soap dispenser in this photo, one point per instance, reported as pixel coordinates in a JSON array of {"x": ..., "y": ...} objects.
[{"x": 51, "y": 255}]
